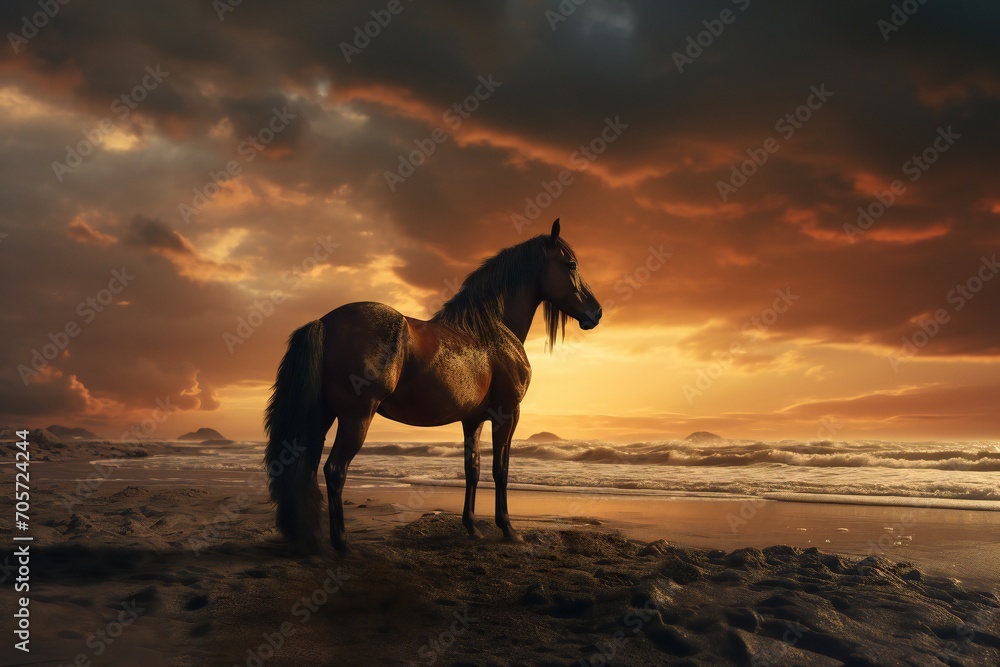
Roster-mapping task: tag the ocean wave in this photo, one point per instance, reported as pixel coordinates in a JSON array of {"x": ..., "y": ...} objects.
[
  {"x": 876, "y": 491},
  {"x": 741, "y": 468},
  {"x": 412, "y": 449},
  {"x": 821, "y": 454}
]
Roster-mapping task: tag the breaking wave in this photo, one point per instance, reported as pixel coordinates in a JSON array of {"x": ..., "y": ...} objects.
[
  {"x": 977, "y": 457},
  {"x": 874, "y": 470}
]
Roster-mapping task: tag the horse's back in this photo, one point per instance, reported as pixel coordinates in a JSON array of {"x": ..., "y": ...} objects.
[
  {"x": 421, "y": 373},
  {"x": 364, "y": 348},
  {"x": 369, "y": 313}
]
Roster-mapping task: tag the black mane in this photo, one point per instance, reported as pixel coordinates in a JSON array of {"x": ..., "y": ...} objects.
[{"x": 478, "y": 306}]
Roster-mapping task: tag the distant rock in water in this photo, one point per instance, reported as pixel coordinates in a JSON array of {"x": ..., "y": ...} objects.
[
  {"x": 43, "y": 445},
  {"x": 44, "y": 437},
  {"x": 206, "y": 436},
  {"x": 67, "y": 433},
  {"x": 38, "y": 436},
  {"x": 544, "y": 436},
  {"x": 703, "y": 436}
]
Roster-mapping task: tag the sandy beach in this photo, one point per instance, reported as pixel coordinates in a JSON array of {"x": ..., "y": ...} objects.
[{"x": 152, "y": 570}]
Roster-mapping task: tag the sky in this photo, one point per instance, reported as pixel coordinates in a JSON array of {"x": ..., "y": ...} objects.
[{"x": 790, "y": 211}]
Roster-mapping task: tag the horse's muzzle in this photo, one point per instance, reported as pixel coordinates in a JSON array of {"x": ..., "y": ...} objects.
[{"x": 590, "y": 320}]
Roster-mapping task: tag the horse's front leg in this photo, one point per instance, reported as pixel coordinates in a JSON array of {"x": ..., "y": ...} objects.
[
  {"x": 472, "y": 431},
  {"x": 503, "y": 432}
]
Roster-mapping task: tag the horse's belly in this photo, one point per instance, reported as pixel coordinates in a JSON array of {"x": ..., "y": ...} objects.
[{"x": 448, "y": 386}]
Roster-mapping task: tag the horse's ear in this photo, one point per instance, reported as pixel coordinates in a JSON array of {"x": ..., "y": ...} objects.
[{"x": 555, "y": 231}]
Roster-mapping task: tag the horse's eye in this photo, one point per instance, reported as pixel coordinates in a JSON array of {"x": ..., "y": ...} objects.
[{"x": 572, "y": 266}]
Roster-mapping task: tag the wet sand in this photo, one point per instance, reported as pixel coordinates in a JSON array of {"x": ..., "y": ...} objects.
[
  {"x": 946, "y": 542},
  {"x": 190, "y": 572}
]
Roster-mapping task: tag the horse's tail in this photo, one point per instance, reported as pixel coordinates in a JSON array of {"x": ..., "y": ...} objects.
[{"x": 293, "y": 424}]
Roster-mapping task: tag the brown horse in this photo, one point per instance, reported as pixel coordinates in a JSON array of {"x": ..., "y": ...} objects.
[{"x": 467, "y": 364}]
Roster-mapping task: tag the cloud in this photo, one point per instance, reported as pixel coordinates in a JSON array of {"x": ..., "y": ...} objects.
[
  {"x": 157, "y": 237},
  {"x": 80, "y": 231}
]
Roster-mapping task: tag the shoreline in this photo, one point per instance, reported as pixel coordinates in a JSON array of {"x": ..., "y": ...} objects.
[{"x": 599, "y": 578}]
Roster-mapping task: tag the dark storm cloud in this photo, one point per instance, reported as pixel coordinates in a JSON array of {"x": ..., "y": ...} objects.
[{"x": 144, "y": 232}]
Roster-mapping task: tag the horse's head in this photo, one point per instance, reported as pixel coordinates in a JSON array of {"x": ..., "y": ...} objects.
[{"x": 563, "y": 286}]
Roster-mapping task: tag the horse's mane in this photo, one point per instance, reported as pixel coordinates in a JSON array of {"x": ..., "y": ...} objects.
[{"x": 478, "y": 306}]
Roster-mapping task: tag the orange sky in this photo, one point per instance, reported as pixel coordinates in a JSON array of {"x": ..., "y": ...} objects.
[{"x": 760, "y": 306}]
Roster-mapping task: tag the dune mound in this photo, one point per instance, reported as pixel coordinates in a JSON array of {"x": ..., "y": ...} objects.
[{"x": 594, "y": 595}]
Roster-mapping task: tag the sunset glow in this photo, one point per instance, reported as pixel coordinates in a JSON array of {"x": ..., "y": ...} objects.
[{"x": 248, "y": 192}]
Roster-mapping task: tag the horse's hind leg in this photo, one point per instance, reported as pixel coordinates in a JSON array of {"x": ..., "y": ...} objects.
[
  {"x": 472, "y": 431},
  {"x": 351, "y": 432},
  {"x": 328, "y": 417}
]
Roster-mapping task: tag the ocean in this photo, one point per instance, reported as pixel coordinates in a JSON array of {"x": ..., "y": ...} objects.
[{"x": 932, "y": 474}]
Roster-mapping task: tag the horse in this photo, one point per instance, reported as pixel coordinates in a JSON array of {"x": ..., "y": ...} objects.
[{"x": 466, "y": 364}]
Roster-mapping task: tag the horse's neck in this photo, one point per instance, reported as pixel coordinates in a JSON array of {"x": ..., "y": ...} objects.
[{"x": 519, "y": 311}]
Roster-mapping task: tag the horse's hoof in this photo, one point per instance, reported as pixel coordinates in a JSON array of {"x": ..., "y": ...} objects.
[
  {"x": 474, "y": 534},
  {"x": 511, "y": 535},
  {"x": 342, "y": 547}
]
